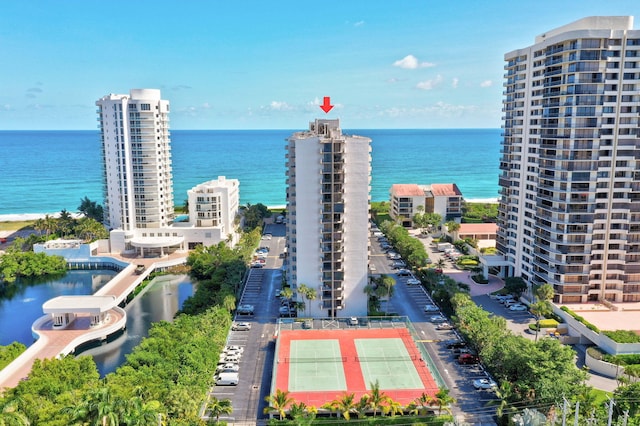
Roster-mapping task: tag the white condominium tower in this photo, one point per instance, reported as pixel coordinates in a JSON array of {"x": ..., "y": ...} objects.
[
  {"x": 136, "y": 153},
  {"x": 328, "y": 183},
  {"x": 569, "y": 211}
]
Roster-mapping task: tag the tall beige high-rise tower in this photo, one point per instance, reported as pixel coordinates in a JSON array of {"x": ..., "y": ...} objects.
[
  {"x": 328, "y": 185},
  {"x": 569, "y": 210}
]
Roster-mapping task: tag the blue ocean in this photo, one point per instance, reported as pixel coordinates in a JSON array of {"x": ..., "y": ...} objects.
[{"x": 47, "y": 171}]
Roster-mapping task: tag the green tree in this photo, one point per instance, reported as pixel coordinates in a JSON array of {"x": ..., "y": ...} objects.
[
  {"x": 503, "y": 395},
  {"x": 309, "y": 294},
  {"x": 444, "y": 400},
  {"x": 91, "y": 209},
  {"x": 388, "y": 284},
  {"x": 65, "y": 223},
  {"x": 10, "y": 414},
  {"x": 362, "y": 406},
  {"x": 345, "y": 405},
  {"x": 217, "y": 407},
  {"x": 377, "y": 400},
  {"x": 278, "y": 402},
  {"x": 141, "y": 413},
  {"x": 541, "y": 307}
]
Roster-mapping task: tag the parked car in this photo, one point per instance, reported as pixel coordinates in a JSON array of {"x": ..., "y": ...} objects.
[
  {"x": 431, "y": 308},
  {"x": 267, "y": 236},
  {"x": 468, "y": 359},
  {"x": 228, "y": 368},
  {"x": 438, "y": 319},
  {"x": 241, "y": 326},
  {"x": 393, "y": 255},
  {"x": 398, "y": 264},
  {"x": 511, "y": 302},
  {"x": 517, "y": 308},
  {"x": 230, "y": 358},
  {"x": 353, "y": 321},
  {"x": 257, "y": 265},
  {"x": 455, "y": 343},
  {"x": 245, "y": 310},
  {"x": 444, "y": 326},
  {"x": 403, "y": 273},
  {"x": 413, "y": 281},
  {"x": 226, "y": 379},
  {"x": 234, "y": 348},
  {"x": 484, "y": 384}
]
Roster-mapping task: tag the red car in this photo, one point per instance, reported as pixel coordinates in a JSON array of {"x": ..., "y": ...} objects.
[{"x": 468, "y": 359}]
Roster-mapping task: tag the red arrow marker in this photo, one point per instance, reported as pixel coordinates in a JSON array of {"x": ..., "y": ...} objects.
[{"x": 326, "y": 106}]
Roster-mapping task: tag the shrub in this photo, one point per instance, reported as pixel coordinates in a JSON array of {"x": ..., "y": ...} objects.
[
  {"x": 548, "y": 323},
  {"x": 581, "y": 319},
  {"x": 623, "y": 336}
]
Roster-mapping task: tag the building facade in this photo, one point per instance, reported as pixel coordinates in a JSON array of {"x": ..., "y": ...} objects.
[
  {"x": 569, "y": 211},
  {"x": 138, "y": 182},
  {"x": 136, "y": 154},
  {"x": 214, "y": 205},
  {"x": 406, "y": 200},
  {"x": 328, "y": 184}
]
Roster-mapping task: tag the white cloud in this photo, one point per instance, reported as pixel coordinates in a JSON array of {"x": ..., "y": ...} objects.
[
  {"x": 430, "y": 84},
  {"x": 410, "y": 62},
  {"x": 358, "y": 24},
  {"x": 486, "y": 83},
  {"x": 206, "y": 105},
  {"x": 279, "y": 106},
  {"x": 454, "y": 82},
  {"x": 6, "y": 107}
]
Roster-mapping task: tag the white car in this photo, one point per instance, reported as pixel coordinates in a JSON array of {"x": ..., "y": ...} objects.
[
  {"x": 403, "y": 273},
  {"x": 267, "y": 236},
  {"x": 241, "y": 326},
  {"x": 413, "y": 281},
  {"x": 228, "y": 368},
  {"x": 484, "y": 384},
  {"x": 517, "y": 308},
  {"x": 444, "y": 326},
  {"x": 234, "y": 348},
  {"x": 353, "y": 321}
]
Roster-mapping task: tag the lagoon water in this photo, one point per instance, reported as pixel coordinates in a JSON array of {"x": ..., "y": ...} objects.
[
  {"x": 158, "y": 302},
  {"x": 18, "y": 312},
  {"x": 47, "y": 171}
]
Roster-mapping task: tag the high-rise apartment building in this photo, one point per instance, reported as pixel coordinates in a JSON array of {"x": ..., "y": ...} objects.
[
  {"x": 136, "y": 153},
  {"x": 569, "y": 211},
  {"x": 328, "y": 185}
]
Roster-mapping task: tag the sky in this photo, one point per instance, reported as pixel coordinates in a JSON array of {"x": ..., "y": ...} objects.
[{"x": 269, "y": 64}]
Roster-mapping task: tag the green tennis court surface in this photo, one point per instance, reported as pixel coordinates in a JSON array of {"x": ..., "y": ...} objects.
[
  {"x": 388, "y": 362},
  {"x": 316, "y": 365}
]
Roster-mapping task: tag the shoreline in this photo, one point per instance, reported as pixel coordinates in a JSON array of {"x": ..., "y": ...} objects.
[{"x": 20, "y": 217}]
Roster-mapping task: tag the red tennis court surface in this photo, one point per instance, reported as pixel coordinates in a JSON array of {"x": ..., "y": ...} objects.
[{"x": 352, "y": 369}]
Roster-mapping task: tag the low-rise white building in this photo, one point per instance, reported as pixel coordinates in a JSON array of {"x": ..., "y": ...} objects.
[{"x": 213, "y": 207}]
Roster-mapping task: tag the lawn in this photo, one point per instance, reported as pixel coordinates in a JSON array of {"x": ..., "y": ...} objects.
[{"x": 16, "y": 225}]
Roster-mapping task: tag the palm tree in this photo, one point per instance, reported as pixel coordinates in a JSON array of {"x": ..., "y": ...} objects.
[
  {"x": 503, "y": 395},
  {"x": 307, "y": 293},
  {"x": 377, "y": 398},
  {"x": 422, "y": 402},
  {"x": 279, "y": 402},
  {"x": 443, "y": 400},
  {"x": 10, "y": 414},
  {"x": 541, "y": 307},
  {"x": 345, "y": 405},
  {"x": 362, "y": 406},
  {"x": 302, "y": 414},
  {"x": 388, "y": 284},
  {"x": 219, "y": 406}
]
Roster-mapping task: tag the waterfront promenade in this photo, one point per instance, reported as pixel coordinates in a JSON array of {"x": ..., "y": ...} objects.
[{"x": 54, "y": 343}]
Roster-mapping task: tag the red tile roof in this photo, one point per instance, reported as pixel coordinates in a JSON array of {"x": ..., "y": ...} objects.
[
  {"x": 445, "y": 189},
  {"x": 406, "y": 190},
  {"x": 477, "y": 228}
]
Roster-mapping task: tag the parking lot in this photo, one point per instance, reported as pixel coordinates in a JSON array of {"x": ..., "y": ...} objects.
[{"x": 255, "y": 364}]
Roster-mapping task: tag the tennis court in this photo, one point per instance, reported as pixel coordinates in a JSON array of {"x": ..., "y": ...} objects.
[
  {"x": 388, "y": 362},
  {"x": 317, "y": 366}
]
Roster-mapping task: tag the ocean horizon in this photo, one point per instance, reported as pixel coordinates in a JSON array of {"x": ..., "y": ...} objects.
[{"x": 43, "y": 172}]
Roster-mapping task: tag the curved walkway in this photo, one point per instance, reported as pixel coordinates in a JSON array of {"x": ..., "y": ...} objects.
[{"x": 53, "y": 343}]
